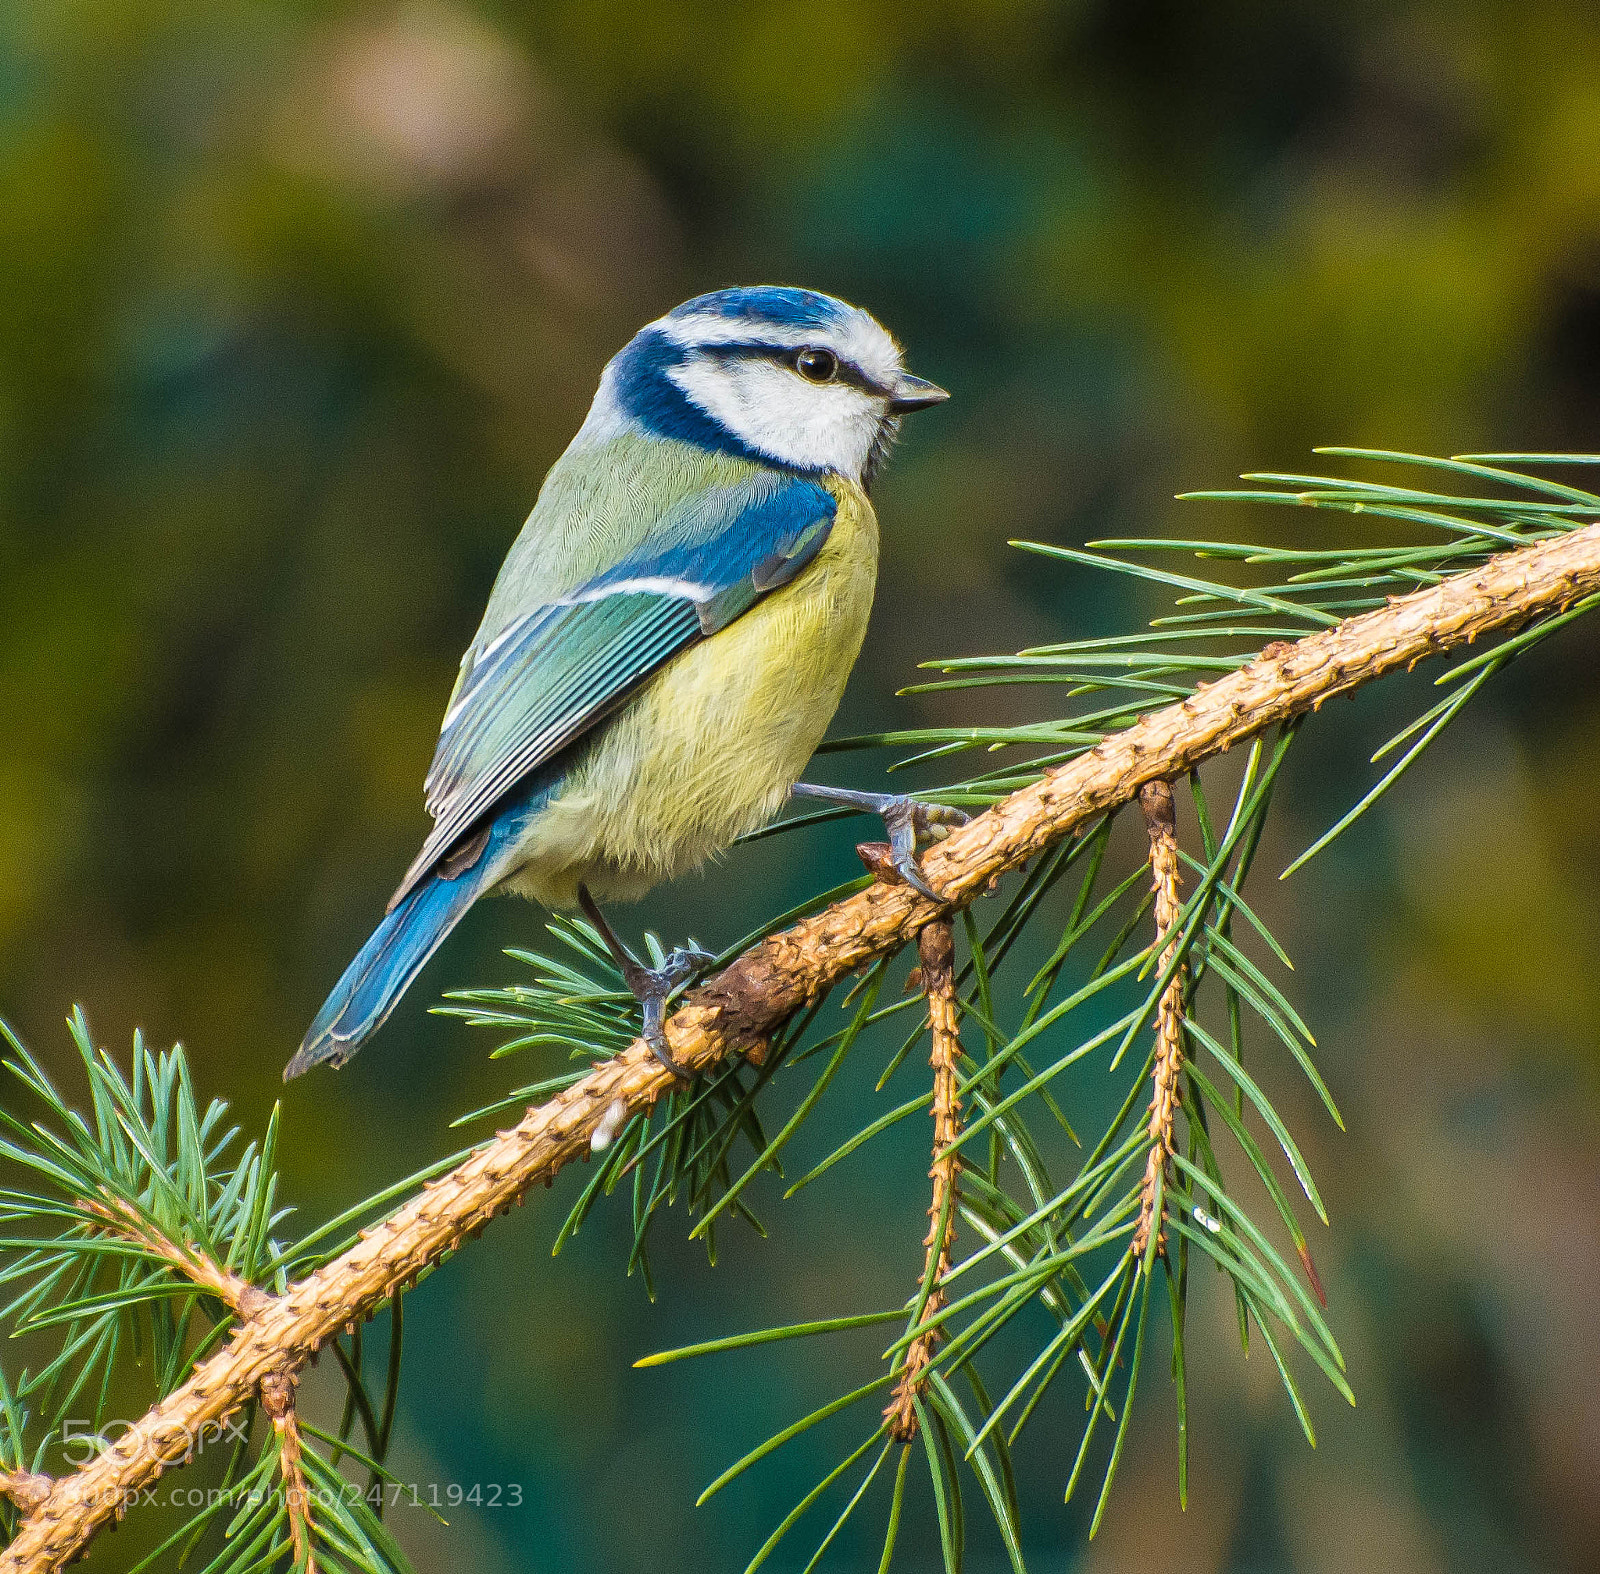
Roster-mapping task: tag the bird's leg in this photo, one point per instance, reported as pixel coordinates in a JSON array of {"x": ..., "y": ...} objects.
[
  {"x": 907, "y": 821},
  {"x": 650, "y": 985}
]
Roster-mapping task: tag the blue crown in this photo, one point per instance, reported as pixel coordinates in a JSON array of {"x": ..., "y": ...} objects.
[{"x": 780, "y": 304}]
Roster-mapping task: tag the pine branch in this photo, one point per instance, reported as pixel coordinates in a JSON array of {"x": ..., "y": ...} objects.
[
  {"x": 936, "y": 956},
  {"x": 25, "y": 1488},
  {"x": 241, "y": 1297},
  {"x": 738, "y": 1011},
  {"x": 1160, "y": 818},
  {"x": 277, "y": 1399}
]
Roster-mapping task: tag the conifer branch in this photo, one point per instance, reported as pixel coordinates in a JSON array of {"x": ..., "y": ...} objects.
[
  {"x": 936, "y": 958},
  {"x": 738, "y": 1010},
  {"x": 277, "y": 1399},
  {"x": 1160, "y": 818},
  {"x": 241, "y": 1297},
  {"x": 25, "y": 1488}
]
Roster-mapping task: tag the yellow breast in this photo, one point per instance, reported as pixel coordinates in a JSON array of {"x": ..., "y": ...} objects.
[{"x": 711, "y": 745}]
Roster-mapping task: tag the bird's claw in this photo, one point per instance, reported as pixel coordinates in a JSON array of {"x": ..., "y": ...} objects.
[
  {"x": 652, "y": 986},
  {"x": 908, "y": 821},
  {"x": 685, "y": 962}
]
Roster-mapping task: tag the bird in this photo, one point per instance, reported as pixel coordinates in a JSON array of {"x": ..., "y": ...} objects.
[{"x": 666, "y": 641}]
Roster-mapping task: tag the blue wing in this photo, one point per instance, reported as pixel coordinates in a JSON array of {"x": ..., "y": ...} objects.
[{"x": 551, "y": 674}]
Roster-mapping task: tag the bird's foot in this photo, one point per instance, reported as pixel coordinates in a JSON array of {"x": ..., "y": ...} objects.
[
  {"x": 652, "y": 987},
  {"x": 908, "y": 821}
]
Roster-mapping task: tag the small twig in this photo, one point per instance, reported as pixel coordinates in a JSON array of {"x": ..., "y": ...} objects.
[
  {"x": 935, "y": 952},
  {"x": 277, "y": 1387},
  {"x": 277, "y": 1399},
  {"x": 1160, "y": 819},
  {"x": 25, "y": 1488},
  {"x": 241, "y": 1297}
]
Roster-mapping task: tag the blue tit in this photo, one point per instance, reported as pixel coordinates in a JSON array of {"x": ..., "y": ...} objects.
[{"x": 667, "y": 639}]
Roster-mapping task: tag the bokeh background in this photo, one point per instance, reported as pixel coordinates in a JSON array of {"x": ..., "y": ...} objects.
[{"x": 297, "y": 303}]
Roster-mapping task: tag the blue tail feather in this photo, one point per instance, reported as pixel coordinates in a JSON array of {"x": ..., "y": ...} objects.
[
  {"x": 401, "y": 945},
  {"x": 384, "y": 968}
]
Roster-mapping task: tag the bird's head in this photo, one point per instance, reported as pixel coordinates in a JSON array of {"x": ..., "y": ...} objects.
[{"x": 783, "y": 375}]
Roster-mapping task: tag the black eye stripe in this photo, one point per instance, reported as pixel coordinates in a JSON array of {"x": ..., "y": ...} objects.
[
  {"x": 784, "y": 355},
  {"x": 856, "y": 378}
]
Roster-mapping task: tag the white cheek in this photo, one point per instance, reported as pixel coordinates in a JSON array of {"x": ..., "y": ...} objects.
[{"x": 814, "y": 427}]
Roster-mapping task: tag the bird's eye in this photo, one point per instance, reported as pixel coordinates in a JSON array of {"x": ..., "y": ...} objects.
[{"x": 817, "y": 366}]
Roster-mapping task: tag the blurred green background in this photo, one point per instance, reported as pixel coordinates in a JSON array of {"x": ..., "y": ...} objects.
[{"x": 297, "y": 303}]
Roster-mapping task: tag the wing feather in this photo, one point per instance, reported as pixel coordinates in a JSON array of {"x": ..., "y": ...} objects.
[{"x": 558, "y": 669}]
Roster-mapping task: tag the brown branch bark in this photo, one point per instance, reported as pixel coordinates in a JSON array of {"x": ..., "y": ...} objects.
[
  {"x": 936, "y": 957},
  {"x": 24, "y": 1488},
  {"x": 736, "y": 1011},
  {"x": 1161, "y": 822},
  {"x": 237, "y": 1294},
  {"x": 277, "y": 1399}
]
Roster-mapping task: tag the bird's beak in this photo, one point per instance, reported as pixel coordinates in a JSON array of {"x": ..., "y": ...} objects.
[{"x": 914, "y": 393}]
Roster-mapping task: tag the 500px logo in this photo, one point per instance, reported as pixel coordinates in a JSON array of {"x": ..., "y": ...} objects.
[{"x": 81, "y": 1441}]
